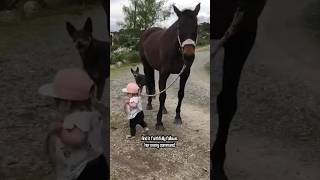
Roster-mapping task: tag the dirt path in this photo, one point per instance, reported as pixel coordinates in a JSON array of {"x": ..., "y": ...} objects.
[
  {"x": 190, "y": 158},
  {"x": 30, "y": 54},
  {"x": 275, "y": 133}
]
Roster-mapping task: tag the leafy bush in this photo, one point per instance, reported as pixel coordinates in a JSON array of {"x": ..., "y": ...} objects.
[
  {"x": 133, "y": 56},
  {"x": 204, "y": 34},
  {"x": 123, "y": 54},
  {"x": 203, "y": 39}
]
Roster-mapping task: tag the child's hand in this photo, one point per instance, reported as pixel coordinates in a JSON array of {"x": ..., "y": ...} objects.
[
  {"x": 126, "y": 100},
  {"x": 74, "y": 137}
]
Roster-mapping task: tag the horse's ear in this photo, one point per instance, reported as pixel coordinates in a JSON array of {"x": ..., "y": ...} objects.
[
  {"x": 88, "y": 25},
  {"x": 132, "y": 71},
  {"x": 196, "y": 10},
  {"x": 137, "y": 70},
  {"x": 177, "y": 11}
]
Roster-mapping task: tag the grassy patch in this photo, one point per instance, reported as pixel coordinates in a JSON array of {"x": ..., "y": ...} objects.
[
  {"x": 125, "y": 67},
  {"x": 131, "y": 56}
]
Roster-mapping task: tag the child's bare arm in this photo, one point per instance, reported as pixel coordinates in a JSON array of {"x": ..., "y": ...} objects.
[{"x": 126, "y": 108}]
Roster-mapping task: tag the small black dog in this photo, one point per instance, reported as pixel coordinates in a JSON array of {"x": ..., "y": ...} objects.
[
  {"x": 140, "y": 78},
  {"x": 94, "y": 54}
]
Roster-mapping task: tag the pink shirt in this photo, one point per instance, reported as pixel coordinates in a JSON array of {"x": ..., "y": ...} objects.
[{"x": 135, "y": 106}]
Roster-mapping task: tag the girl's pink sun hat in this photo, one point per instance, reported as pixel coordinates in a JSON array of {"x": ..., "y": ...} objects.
[
  {"x": 131, "y": 88},
  {"x": 69, "y": 84}
]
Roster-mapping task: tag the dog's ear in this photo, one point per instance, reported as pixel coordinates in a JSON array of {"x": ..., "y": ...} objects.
[
  {"x": 88, "y": 25},
  {"x": 137, "y": 70},
  {"x": 132, "y": 71},
  {"x": 71, "y": 29}
]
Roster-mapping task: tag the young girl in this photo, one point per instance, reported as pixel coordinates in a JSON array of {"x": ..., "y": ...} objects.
[
  {"x": 133, "y": 108},
  {"x": 77, "y": 139}
]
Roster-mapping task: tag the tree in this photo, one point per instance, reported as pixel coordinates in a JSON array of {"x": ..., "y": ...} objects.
[{"x": 143, "y": 14}]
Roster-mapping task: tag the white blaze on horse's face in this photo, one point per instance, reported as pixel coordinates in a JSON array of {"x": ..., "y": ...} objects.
[{"x": 187, "y": 29}]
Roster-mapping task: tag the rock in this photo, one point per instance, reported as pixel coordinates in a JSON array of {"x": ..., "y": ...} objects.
[
  {"x": 119, "y": 63},
  {"x": 31, "y": 8},
  {"x": 112, "y": 66},
  {"x": 8, "y": 16}
]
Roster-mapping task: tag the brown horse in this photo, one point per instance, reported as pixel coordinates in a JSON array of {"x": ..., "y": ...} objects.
[{"x": 167, "y": 50}]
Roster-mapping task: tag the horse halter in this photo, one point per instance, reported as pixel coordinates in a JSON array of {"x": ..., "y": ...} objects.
[{"x": 186, "y": 42}]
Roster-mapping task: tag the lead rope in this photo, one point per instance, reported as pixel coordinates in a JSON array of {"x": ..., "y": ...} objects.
[{"x": 153, "y": 95}]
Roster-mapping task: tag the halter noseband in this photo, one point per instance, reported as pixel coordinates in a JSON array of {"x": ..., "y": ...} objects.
[{"x": 186, "y": 42}]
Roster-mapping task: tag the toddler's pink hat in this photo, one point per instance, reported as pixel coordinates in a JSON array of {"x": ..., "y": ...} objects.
[
  {"x": 69, "y": 84},
  {"x": 131, "y": 88}
]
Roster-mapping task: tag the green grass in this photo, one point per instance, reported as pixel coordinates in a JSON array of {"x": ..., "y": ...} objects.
[{"x": 124, "y": 67}]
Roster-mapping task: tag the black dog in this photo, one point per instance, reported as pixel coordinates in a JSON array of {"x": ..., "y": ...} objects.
[
  {"x": 140, "y": 78},
  {"x": 94, "y": 54}
]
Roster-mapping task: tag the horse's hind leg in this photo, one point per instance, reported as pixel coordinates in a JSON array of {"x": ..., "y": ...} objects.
[
  {"x": 150, "y": 85},
  {"x": 236, "y": 52}
]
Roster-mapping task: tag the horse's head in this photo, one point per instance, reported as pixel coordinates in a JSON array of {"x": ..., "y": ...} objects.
[{"x": 187, "y": 30}]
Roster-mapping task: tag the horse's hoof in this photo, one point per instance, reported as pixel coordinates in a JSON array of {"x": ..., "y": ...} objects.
[
  {"x": 164, "y": 111},
  {"x": 177, "y": 121},
  {"x": 149, "y": 107},
  {"x": 160, "y": 127}
]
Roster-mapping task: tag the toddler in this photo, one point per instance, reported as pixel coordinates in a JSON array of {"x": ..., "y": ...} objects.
[{"x": 133, "y": 108}]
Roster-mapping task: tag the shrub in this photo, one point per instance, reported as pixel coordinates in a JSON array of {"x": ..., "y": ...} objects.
[
  {"x": 133, "y": 56},
  {"x": 124, "y": 54}
]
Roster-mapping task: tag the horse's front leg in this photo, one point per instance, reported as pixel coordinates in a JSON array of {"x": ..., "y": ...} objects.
[
  {"x": 162, "y": 98},
  {"x": 183, "y": 79},
  {"x": 237, "y": 50}
]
